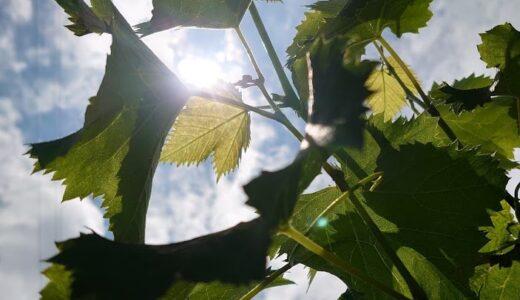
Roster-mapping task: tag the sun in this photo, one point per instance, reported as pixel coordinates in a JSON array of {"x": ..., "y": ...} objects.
[{"x": 199, "y": 72}]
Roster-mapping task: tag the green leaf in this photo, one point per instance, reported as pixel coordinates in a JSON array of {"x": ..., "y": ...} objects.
[
  {"x": 217, "y": 290},
  {"x": 83, "y": 18},
  {"x": 492, "y": 127},
  {"x": 167, "y": 14},
  {"x": 388, "y": 98},
  {"x": 116, "y": 152},
  {"x": 366, "y": 20},
  {"x": 465, "y": 94},
  {"x": 207, "y": 127},
  {"x": 429, "y": 205},
  {"x": 339, "y": 91},
  {"x": 59, "y": 284},
  {"x": 498, "y": 281},
  {"x": 500, "y": 49},
  {"x": 116, "y": 270},
  {"x": 503, "y": 234}
]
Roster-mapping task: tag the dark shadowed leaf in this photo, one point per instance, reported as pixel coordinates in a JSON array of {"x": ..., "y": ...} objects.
[
  {"x": 167, "y": 14},
  {"x": 115, "y": 270},
  {"x": 464, "y": 94},
  {"x": 116, "y": 152},
  {"x": 365, "y": 20},
  {"x": 274, "y": 194},
  {"x": 336, "y": 106}
]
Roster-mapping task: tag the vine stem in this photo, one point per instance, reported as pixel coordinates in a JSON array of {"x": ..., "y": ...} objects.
[
  {"x": 259, "y": 24},
  {"x": 268, "y": 280},
  {"x": 261, "y": 85},
  {"x": 430, "y": 108},
  {"x": 334, "y": 260}
]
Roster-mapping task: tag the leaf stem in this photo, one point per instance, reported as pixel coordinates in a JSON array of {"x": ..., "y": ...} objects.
[
  {"x": 250, "y": 54},
  {"x": 334, "y": 260},
  {"x": 268, "y": 280},
  {"x": 229, "y": 101},
  {"x": 430, "y": 108},
  {"x": 286, "y": 85}
]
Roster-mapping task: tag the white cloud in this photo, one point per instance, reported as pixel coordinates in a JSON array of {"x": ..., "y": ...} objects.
[
  {"x": 19, "y": 11},
  {"x": 31, "y": 216},
  {"x": 447, "y": 48}
]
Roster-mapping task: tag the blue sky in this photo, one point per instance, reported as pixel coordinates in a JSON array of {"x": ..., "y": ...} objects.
[{"x": 47, "y": 75}]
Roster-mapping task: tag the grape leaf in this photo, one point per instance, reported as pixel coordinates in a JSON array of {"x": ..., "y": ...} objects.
[
  {"x": 366, "y": 20},
  {"x": 493, "y": 127},
  {"x": 307, "y": 30},
  {"x": 207, "y": 127},
  {"x": 60, "y": 281},
  {"x": 274, "y": 194},
  {"x": 500, "y": 49},
  {"x": 429, "y": 204},
  {"x": 464, "y": 94},
  {"x": 83, "y": 18},
  {"x": 217, "y": 290},
  {"x": 388, "y": 97},
  {"x": 167, "y": 14},
  {"x": 336, "y": 105},
  {"x": 503, "y": 234},
  {"x": 495, "y": 281},
  {"x": 116, "y": 152},
  {"x": 116, "y": 270}
]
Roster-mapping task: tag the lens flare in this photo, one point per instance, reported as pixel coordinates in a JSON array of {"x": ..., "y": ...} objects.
[{"x": 199, "y": 72}]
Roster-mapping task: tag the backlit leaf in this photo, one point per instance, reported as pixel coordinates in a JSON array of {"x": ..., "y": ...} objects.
[
  {"x": 504, "y": 232},
  {"x": 388, "y": 96},
  {"x": 207, "y": 127},
  {"x": 116, "y": 152},
  {"x": 498, "y": 280},
  {"x": 167, "y": 14},
  {"x": 493, "y": 127}
]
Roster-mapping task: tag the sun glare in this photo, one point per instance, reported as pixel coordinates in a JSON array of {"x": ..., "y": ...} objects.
[{"x": 199, "y": 72}]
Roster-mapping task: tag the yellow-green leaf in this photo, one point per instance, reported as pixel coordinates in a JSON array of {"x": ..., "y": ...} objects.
[
  {"x": 388, "y": 97},
  {"x": 207, "y": 127}
]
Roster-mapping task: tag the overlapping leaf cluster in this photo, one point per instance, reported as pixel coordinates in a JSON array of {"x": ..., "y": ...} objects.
[{"x": 419, "y": 204}]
